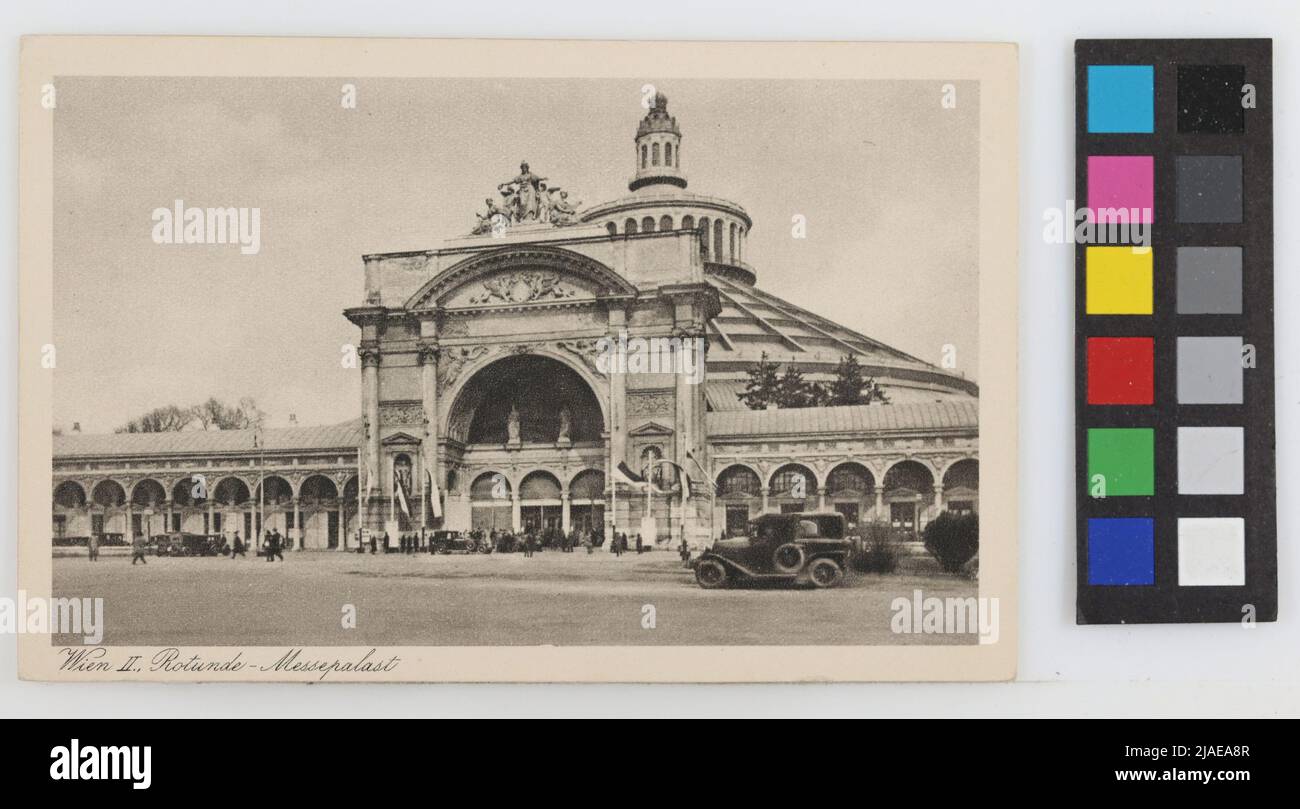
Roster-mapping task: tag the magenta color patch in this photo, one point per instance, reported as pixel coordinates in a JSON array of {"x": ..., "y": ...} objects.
[{"x": 1121, "y": 188}]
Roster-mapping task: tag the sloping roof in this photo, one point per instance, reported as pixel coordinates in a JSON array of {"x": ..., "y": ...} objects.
[
  {"x": 807, "y": 421},
  {"x": 334, "y": 436}
]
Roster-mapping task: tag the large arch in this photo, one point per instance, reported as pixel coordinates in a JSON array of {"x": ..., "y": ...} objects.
[
  {"x": 529, "y": 257},
  {"x": 148, "y": 493},
  {"x": 108, "y": 493},
  {"x": 850, "y": 490},
  {"x": 539, "y": 387},
  {"x": 321, "y": 512},
  {"x": 70, "y": 516},
  {"x": 69, "y": 494}
]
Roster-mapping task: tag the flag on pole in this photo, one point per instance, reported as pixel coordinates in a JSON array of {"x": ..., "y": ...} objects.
[
  {"x": 401, "y": 496},
  {"x": 370, "y": 479},
  {"x": 432, "y": 497},
  {"x": 624, "y": 475}
]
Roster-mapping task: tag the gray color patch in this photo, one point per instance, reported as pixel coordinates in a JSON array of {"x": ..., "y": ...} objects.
[
  {"x": 1209, "y": 188},
  {"x": 1209, "y": 370},
  {"x": 1211, "y": 460},
  {"x": 1209, "y": 280}
]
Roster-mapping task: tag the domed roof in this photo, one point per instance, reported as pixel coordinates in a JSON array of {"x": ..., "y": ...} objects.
[{"x": 753, "y": 322}]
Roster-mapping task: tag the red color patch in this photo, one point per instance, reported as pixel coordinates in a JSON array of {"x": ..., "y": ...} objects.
[{"x": 1121, "y": 370}]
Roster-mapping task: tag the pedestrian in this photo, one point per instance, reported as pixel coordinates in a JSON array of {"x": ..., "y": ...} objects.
[
  {"x": 92, "y": 545},
  {"x": 277, "y": 544},
  {"x": 374, "y": 544},
  {"x": 616, "y": 546},
  {"x": 387, "y": 540},
  {"x": 138, "y": 546},
  {"x": 639, "y": 548},
  {"x": 239, "y": 548},
  {"x": 684, "y": 551}
]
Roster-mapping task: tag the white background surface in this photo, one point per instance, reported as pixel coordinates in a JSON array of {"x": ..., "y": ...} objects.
[{"x": 1221, "y": 670}]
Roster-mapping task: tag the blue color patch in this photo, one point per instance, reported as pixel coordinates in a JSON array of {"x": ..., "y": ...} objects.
[
  {"x": 1121, "y": 98},
  {"x": 1121, "y": 550}
]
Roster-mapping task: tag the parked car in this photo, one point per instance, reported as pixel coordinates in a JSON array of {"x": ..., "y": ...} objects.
[
  {"x": 460, "y": 542},
  {"x": 794, "y": 548},
  {"x": 180, "y": 543}
]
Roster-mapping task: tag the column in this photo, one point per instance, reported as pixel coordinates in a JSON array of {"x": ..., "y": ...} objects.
[
  {"x": 566, "y": 522},
  {"x": 167, "y": 516},
  {"x": 370, "y": 358},
  {"x": 821, "y": 498},
  {"x": 428, "y": 355},
  {"x": 879, "y": 513},
  {"x": 516, "y": 517},
  {"x": 764, "y": 511},
  {"x": 938, "y": 499},
  {"x": 297, "y": 522}
]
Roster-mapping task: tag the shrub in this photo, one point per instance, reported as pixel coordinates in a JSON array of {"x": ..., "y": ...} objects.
[
  {"x": 878, "y": 551},
  {"x": 953, "y": 539}
]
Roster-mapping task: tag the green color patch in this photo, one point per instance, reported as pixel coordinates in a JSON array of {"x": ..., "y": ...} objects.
[{"x": 1121, "y": 462}]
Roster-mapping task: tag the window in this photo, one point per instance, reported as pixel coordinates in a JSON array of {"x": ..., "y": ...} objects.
[
  {"x": 688, "y": 222},
  {"x": 737, "y": 520},
  {"x": 60, "y": 526},
  {"x": 654, "y": 155},
  {"x": 643, "y": 155},
  {"x": 665, "y": 222},
  {"x": 629, "y": 227},
  {"x": 850, "y": 512},
  {"x": 668, "y": 154},
  {"x": 648, "y": 225},
  {"x": 611, "y": 228}
]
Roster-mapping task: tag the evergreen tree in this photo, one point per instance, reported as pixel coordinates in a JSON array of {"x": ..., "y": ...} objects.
[
  {"x": 848, "y": 384},
  {"x": 762, "y": 387},
  {"x": 792, "y": 389}
]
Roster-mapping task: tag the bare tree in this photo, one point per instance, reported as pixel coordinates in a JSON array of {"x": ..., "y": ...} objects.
[{"x": 168, "y": 419}]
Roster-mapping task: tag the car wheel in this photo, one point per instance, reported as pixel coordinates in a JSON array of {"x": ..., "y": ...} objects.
[
  {"x": 711, "y": 574},
  {"x": 788, "y": 558},
  {"x": 825, "y": 573}
]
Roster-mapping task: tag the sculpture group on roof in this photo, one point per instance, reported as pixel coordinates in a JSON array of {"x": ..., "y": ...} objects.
[{"x": 527, "y": 198}]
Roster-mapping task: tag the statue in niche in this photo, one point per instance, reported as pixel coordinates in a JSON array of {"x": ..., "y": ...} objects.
[
  {"x": 566, "y": 423},
  {"x": 512, "y": 425}
]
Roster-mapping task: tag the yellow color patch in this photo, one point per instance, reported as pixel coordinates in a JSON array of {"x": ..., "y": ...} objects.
[{"x": 1119, "y": 280}]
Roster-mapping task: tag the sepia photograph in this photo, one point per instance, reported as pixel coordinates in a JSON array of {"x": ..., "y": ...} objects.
[{"x": 514, "y": 361}]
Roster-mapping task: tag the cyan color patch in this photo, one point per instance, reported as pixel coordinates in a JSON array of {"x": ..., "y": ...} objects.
[
  {"x": 1121, "y": 98},
  {"x": 1121, "y": 550}
]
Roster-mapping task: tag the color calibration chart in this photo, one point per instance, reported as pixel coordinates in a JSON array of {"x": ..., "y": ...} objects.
[{"x": 1174, "y": 331}]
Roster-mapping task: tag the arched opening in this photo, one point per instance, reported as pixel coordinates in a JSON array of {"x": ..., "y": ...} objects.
[
  {"x": 233, "y": 510},
  {"x": 69, "y": 517},
  {"x": 648, "y": 224},
  {"x": 704, "y": 237},
  {"x": 665, "y": 222},
  {"x": 688, "y": 222},
  {"x": 961, "y": 487},
  {"x": 526, "y": 399},
  {"x": 539, "y": 503},
  {"x": 147, "y": 515},
  {"x": 69, "y": 494},
  {"x": 793, "y": 487},
  {"x": 491, "y": 503},
  {"x": 587, "y": 502},
  {"x": 629, "y": 227},
  {"x": 908, "y": 487},
  {"x": 611, "y": 228},
  {"x": 107, "y": 517},
  {"x": 850, "y": 489},
  {"x": 320, "y": 509},
  {"x": 654, "y": 154},
  {"x": 739, "y": 488},
  {"x": 668, "y": 154},
  {"x": 717, "y": 240},
  {"x": 644, "y": 156}
]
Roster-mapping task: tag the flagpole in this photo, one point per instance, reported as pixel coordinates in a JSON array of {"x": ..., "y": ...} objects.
[{"x": 361, "y": 508}]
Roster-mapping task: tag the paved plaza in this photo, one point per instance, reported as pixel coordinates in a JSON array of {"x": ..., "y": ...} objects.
[{"x": 497, "y": 599}]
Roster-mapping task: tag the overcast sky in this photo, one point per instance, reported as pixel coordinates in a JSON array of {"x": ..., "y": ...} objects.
[{"x": 887, "y": 178}]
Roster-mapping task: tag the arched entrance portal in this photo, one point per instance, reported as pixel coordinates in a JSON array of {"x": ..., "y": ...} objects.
[{"x": 520, "y": 431}]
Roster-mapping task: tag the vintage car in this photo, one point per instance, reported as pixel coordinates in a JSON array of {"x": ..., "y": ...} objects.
[
  {"x": 459, "y": 542},
  {"x": 179, "y": 543},
  {"x": 779, "y": 547}
]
